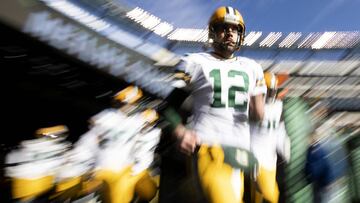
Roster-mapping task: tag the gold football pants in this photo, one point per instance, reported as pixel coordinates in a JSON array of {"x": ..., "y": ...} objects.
[
  {"x": 217, "y": 178},
  {"x": 123, "y": 185},
  {"x": 267, "y": 186}
]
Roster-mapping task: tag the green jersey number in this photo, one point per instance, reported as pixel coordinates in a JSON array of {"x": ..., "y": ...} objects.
[
  {"x": 217, "y": 102},
  {"x": 272, "y": 124}
]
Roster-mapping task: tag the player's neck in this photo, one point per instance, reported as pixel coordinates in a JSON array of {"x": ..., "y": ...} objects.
[{"x": 222, "y": 55}]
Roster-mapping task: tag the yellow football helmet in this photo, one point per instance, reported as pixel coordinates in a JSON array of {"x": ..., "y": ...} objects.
[
  {"x": 271, "y": 82},
  {"x": 129, "y": 95},
  {"x": 53, "y": 132},
  {"x": 227, "y": 15}
]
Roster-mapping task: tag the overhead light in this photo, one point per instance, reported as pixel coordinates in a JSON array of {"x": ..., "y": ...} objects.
[
  {"x": 321, "y": 42},
  {"x": 308, "y": 40},
  {"x": 270, "y": 39},
  {"x": 251, "y": 38},
  {"x": 75, "y": 12},
  {"x": 150, "y": 21},
  {"x": 184, "y": 34},
  {"x": 290, "y": 39},
  {"x": 163, "y": 29}
]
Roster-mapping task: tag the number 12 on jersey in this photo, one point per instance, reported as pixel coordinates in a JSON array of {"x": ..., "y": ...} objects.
[{"x": 218, "y": 85}]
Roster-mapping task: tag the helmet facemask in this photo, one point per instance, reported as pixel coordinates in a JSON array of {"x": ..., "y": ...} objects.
[{"x": 222, "y": 27}]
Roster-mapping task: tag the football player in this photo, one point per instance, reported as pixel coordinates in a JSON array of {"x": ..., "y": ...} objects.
[
  {"x": 123, "y": 141},
  {"x": 227, "y": 91},
  {"x": 268, "y": 139}
]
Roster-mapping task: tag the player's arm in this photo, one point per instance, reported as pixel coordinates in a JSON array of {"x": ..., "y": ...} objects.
[
  {"x": 256, "y": 107},
  {"x": 257, "y": 98},
  {"x": 186, "y": 138}
]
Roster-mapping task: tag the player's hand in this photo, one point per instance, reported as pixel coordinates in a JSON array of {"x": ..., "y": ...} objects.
[{"x": 187, "y": 139}]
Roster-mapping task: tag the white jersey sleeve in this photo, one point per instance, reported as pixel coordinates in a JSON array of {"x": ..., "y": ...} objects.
[
  {"x": 191, "y": 66},
  {"x": 260, "y": 86},
  {"x": 186, "y": 65}
]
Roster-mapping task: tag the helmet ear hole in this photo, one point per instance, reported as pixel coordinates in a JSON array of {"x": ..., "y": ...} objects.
[{"x": 211, "y": 32}]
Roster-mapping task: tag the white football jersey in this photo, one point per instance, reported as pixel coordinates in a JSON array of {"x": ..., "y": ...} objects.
[
  {"x": 221, "y": 91},
  {"x": 269, "y": 136}
]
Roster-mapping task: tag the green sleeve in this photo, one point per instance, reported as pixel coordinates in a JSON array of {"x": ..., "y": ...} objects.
[{"x": 172, "y": 117}]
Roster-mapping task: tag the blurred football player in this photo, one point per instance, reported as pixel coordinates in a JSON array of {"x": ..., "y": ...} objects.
[
  {"x": 268, "y": 139},
  {"x": 123, "y": 139}
]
